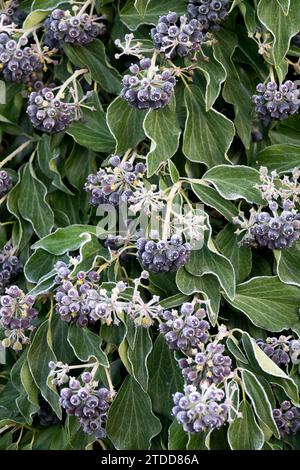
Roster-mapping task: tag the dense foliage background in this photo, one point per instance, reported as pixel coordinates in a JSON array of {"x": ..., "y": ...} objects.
[{"x": 210, "y": 143}]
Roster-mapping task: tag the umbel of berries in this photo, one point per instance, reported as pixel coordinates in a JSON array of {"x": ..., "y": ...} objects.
[
  {"x": 6, "y": 182},
  {"x": 72, "y": 294},
  {"x": 116, "y": 183},
  {"x": 283, "y": 350},
  {"x": 10, "y": 266},
  {"x": 275, "y": 231},
  {"x": 147, "y": 87},
  {"x": 71, "y": 27},
  {"x": 163, "y": 256},
  {"x": 47, "y": 113},
  {"x": 287, "y": 418},
  {"x": 186, "y": 329},
  {"x": 177, "y": 36},
  {"x": 273, "y": 102},
  {"x": 209, "y": 13},
  {"x": 11, "y": 13},
  {"x": 83, "y": 399},
  {"x": 16, "y": 317},
  {"x": 20, "y": 63}
]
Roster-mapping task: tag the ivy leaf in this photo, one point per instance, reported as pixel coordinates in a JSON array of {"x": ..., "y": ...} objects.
[
  {"x": 178, "y": 438},
  {"x": 92, "y": 132},
  {"x": 215, "y": 75},
  {"x": 164, "y": 377},
  {"x": 162, "y": 128},
  {"x": 212, "y": 198},
  {"x": 244, "y": 432},
  {"x": 86, "y": 345},
  {"x": 94, "y": 58},
  {"x": 33, "y": 205},
  {"x": 235, "y": 182},
  {"x": 288, "y": 268},
  {"x": 285, "y": 5},
  {"x": 280, "y": 157},
  {"x": 137, "y": 12},
  {"x": 259, "y": 400},
  {"x": 39, "y": 10},
  {"x": 47, "y": 159},
  {"x": 138, "y": 354},
  {"x": 66, "y": 239},
  {"x": 209, "y": 261},
  {"x": 239, "y": 256},
  {"x": 79, "y": 165},
  {"x": 39, "y": 355},
  {"x": 210, "y": 145},
  {"x": 39, "y": 264},
  {"x": 208, "y": 285},
  {"x": 126, "y": 124},
  {"x": 282, "y": 26},
  {"x": 132, "y": 406},
  {"x": 269, "y": 303}
]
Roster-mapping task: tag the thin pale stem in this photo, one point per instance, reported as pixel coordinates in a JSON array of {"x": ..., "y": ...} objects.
[
  {"x": 109, "y": 381},
  {"x": 170, "y": 199},
  {"x": 73, "y": 77},
  {"x": 15, "y": 152}
]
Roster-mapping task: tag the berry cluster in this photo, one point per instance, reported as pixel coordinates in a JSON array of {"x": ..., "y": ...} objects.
[
  {"x": 72, "y": 294},
  {"x": 276, "y": 103},
  {"x": 163, "y": 256},
  {"x": 209, "y": 13},
  {"x": 185, "y": 330},
  {"x": 200, "y": 409},
  {"x": 282, "y": 350},
  {"x": 6, "y": 183},
  {"x": 146, "y": 88},
  {"x": 10, "y": 266},
  {"x": 11, "y": 15},
  {"x": 177, "y": 36},
  {"x": 287, "y": 418},
  {"x": 210, "y": 364},
  {"x": 83, "y": 399},
  {"x": 48, "y": 113},
  {"x": 114, "y": 184},
  {"x": 273, "y": 230},
  {"x": 16, "y": 317},
  {"x": 20, "y": 63},
  {"x": 69, "y": 27}
]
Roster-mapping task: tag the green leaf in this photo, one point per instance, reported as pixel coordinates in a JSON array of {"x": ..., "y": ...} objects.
[
  {"x": 86, "y": 345},
  {"x": 134, "y": 13},
  {"x": 282, "y": 26},
  {"x": 215, "y": 75},
  {"x": 178, "y": 438},
  {"x": 92, "y": 132},
  {"x": 138, "y": 355},
  {"x": 39, "y": 264},
  {"x": 174, "y": 173},
  {"x": 164, "y": 377},
  {"x": 33, "y": 205},
  {"x": 39, "y": 355},
  {"x": 162, "y": 128},
  {"x": 280, "y": 157},
  {"x": 235, "y": 182},
  {"x": 271, "y": 371},
  {"x": 173, "y": 301},
  {"x": 212, "y": 198},
  {"x": 89, "y": 253},
  {"x": 45, "y": 5},
  {"x": 126, "y": 124},
  {"x": 209, "y": 261},
  {"x": 131, "y": 411},
  {"x": 285, "y": 5},
  {"x": 288, "y": 268},
  {"x": 39, "y": 10},
  {"x": 244, "y": 433},
  {"x": 240, "y": 256},
  {"x": 269, "y": 303},
  {"x": 207, "y": 284},
  {"x": 66, "y": 239},
  {"x": 94, "y": 58},
  {"x": 259, "y": 400},
  {"x": 80, "y": 163},
  {"x": 207, "y": 135},
  {"x": 47, "y": 160}
]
